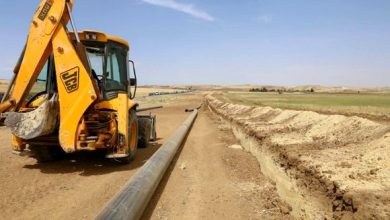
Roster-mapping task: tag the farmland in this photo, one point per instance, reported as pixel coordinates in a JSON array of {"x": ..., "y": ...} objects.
[{"x": 370, "y": 105}]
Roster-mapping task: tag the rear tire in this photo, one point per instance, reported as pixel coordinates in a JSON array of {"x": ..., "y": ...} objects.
[
  {"x": 145, "y": 125},
  {"x": 47, "y": 153},
  {"x": 132, "y": 138}
]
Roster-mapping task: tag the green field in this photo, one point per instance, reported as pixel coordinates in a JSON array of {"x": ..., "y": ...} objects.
[{"x": 363, "y": 104}]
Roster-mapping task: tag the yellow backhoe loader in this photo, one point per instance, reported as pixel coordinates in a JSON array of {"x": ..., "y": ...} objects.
[{"x": 72, "y": 91}]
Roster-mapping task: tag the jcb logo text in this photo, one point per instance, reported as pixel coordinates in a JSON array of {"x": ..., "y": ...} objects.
[{"x": 70, "y": 79}]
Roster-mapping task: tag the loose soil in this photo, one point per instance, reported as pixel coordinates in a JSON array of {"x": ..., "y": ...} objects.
[{"x": 325, "y": 166}]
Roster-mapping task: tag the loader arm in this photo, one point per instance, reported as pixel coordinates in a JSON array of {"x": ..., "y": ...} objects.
[{"x": 76, "y": 89}]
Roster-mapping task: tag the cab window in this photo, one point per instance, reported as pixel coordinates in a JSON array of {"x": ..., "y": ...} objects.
[
  {"x": 116, "y": 69},
  {"x": 40, "y": 84},
  {"x": 96, "y": 59}
]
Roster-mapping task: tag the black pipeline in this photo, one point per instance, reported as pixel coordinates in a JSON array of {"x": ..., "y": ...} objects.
[
  {"x": 133, "y": 198},
  {"x": 193, "y": 109}
]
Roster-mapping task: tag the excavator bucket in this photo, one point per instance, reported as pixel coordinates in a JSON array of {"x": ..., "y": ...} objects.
[{"x": 39, "y": 122}]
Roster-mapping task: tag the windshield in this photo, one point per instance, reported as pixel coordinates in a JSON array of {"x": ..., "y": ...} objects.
[
  {"x": 109, "y": 64},
  {"x": 96, "y": 59},
  {"x": 116, "y": 68}
]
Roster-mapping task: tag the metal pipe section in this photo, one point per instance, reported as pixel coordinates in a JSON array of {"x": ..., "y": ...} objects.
[
  {"x": 132, "y": 200},
  {"x": 149, "y": 108}
]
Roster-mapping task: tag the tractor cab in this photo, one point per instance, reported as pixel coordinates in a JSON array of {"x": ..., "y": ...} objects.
[
  {"x": 110, "y": 66},
  {"x": 107, "y": 57}
]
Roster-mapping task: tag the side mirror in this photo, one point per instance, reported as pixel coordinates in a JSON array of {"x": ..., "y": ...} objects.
[{"x": 133, "y": 81}]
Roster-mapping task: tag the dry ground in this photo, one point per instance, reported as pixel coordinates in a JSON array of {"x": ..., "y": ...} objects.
[
  {"x": 211, "y": 181},
  {"x": 208, "y": 179},
  {"x": 305, "y": 165}
]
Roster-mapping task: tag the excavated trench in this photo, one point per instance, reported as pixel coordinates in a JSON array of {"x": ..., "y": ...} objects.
[
  {"x": 320, "y": 164},
  {"x": 303, "y": 203}
]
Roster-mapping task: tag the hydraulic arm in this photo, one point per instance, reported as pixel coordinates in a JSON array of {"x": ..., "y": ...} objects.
[
  {"x": 48, "y": 35},
  {"x": 86, "y": 102}
]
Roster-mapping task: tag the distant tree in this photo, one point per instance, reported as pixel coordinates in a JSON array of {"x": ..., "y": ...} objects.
[{"x": 311, "y": 90}]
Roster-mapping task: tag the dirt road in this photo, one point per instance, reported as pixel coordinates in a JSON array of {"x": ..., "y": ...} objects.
[{"x": 208, "y": 180}]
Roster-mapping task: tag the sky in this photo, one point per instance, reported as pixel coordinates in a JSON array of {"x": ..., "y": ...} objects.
[{"x": 264, "y": 42}]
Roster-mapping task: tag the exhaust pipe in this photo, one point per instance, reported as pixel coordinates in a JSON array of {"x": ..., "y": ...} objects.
[{"x": 131, "y": 201}]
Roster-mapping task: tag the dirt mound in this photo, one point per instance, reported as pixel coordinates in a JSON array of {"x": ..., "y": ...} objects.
[{"x": 343, "y": 159}]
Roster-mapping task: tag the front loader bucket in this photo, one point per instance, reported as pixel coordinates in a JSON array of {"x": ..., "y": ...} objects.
[{"x": 36, "y": 123}]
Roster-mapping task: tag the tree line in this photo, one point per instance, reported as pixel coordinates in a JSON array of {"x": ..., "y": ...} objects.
[{"x": 264, "y": 89}]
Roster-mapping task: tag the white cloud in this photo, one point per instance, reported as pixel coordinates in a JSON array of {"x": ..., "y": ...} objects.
[
  {"x": 185, "y": 8},
  {"x": 265, "y": 18}
]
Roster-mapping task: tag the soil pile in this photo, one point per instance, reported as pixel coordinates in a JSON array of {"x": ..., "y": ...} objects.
[{"x": 340, "y": 161}]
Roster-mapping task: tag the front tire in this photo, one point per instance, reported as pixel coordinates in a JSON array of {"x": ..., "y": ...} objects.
[{"x": 132, "y": 138}]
